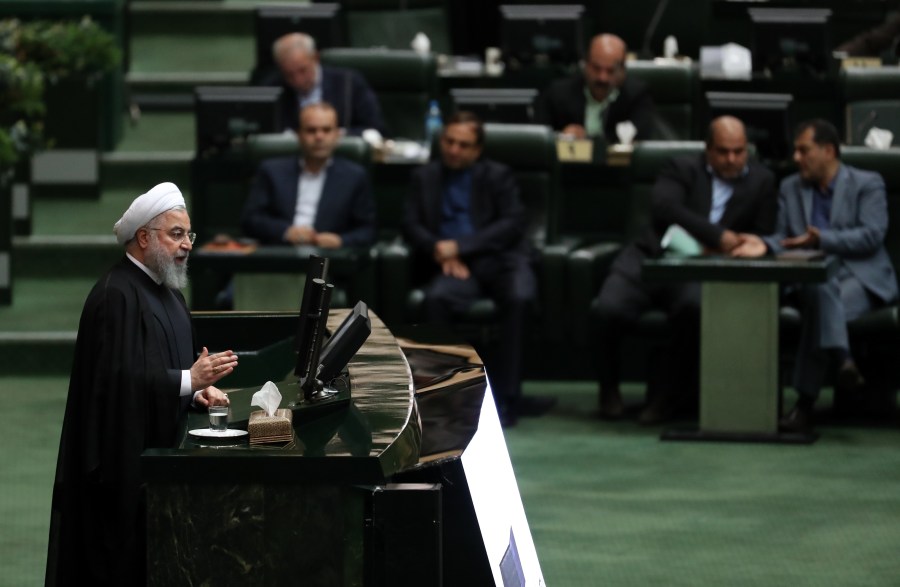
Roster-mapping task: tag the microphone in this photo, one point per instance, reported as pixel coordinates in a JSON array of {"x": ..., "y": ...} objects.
[
  {"x": 868, "y": 120},
  {"x": 651, "y": 28}
]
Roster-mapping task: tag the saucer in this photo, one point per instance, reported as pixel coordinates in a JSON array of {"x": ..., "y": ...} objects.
[{"x": 207, "y": 433}]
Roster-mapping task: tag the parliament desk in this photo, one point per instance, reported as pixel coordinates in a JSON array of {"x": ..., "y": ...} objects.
[
  {"x": 739, "y": 386},
  {"x": 385, "y": 488}
]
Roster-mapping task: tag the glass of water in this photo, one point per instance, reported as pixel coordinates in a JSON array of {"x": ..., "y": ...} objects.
[{"x": 218, "y": 418}]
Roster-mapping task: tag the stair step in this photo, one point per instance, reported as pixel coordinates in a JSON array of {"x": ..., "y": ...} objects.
[
  {"x": 174, "y": 90},
  {"x": 140, "y": 170},
  {"x": 44, "y": 257},
  {"x": 33, "y": 353}
]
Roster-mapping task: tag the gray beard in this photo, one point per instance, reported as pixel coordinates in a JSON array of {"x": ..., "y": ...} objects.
[{"x": 172, "y": 275}]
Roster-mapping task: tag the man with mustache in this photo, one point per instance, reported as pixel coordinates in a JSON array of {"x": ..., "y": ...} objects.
[
  {"x": 136, "y": 371},
  {"x": 841, "y": 211},
  {"x": 592, "y": 104}
]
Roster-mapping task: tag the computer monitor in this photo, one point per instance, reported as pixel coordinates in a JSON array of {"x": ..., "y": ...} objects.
[
  {"x": 347, "y": 339},
  {"x": 768, "y": 119},
  {"x": 510, "y": 105},
  {"x": 791, "y": 39},
  {"x": 323, "y": 22},
  {"x": 227, "y": 114},
  {"x": 317, "y": 269},
  {"x": 542, "y": 33}
]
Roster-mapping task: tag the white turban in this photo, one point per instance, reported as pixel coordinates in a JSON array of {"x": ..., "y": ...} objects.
[{"x": 146, "y": 207}]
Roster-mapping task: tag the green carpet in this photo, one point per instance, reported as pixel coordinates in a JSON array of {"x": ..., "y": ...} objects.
[{"x": 608, "y": 503}]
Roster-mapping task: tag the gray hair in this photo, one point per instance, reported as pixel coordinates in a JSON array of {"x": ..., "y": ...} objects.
[{"x": 293, "y": 42}]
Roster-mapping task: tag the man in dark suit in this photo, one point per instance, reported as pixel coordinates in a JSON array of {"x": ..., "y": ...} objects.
[
  {"x": 713, "y": 197},
  {"x": 305, "y": 81},
  {"x": 841, "y": 211},
  {"x": 592, "y": 104},
  {"x": 466, "y": 224},
  {"x": 318, "y": 199}
]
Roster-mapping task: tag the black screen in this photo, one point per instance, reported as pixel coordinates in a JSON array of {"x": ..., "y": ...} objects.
[
  {"x": 347, "y": 339},
  {"x": 792, "y": 39},
  {"x": 507, "y": 105},
  {"x": 225, "y": 114},
  {"x": 542, "y": 32},
  {"x": 317, "y": 269},
  {"x": 767, "y": 117}
]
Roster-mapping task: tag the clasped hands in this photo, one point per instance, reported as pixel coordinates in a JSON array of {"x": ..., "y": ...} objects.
[
  {"x": 208, "y": 369},
  {"x": 750, "y": 245},
  {"x": 307, "y": 235},
  {"x": 446, "y": 254}
]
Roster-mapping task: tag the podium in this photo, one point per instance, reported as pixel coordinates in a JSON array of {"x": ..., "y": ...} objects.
[{"x": 351, "y": 500}]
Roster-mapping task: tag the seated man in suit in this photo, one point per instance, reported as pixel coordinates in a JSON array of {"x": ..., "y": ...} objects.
[
  {"x": 841, "y": 211},
  {"x": 306, "y": 81},
  {"x": 317, "y": 199},
  {"x": 713, "y": 196},
  {"x": 592, "y": 104},
  {"x": 466, "y": 225}
]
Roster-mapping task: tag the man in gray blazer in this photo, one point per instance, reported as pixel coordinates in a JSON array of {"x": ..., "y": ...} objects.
[{"x": 841, "y": 211}]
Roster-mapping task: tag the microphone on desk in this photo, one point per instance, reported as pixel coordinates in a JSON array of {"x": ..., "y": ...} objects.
[
  {"x": 651, "y": 28},
  {"x": 873, "y": 114}
]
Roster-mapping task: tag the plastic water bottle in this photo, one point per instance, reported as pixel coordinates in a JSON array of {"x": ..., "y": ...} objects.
[{"x": 433, "y": 123}]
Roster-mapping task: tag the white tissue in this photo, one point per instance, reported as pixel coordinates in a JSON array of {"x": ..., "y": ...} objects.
[
  {"x": 730, "y": 61},
  {"x": 268, "y": 398},
  {"x": 626, "y": 130},
  {"x": 878, "y": 138},
  {"x": 421, "y": 44},
  {"x": 373, "y": 137}
]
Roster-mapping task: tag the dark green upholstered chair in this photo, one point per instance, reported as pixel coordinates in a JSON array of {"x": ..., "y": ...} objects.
[
  {"x": 404, "y": 81},
  {"x": 673, "y": 87},
  {"x": 264, "y": 146},
  {"x": 394, "y": 23},
  {"x": 588, "y": 265},
  {"x": 878, "y": 333},
  {"x": 530, "y": 150},
  {"x": 870, "y": 98}
]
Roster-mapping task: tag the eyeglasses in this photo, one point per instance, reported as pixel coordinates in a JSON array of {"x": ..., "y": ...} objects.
[{"x": 178, "y": 234}]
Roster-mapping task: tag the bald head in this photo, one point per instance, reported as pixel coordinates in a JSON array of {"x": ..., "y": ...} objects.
[
  {"x": 726, "y": 147},
  {"x": 604, "y": 69}
]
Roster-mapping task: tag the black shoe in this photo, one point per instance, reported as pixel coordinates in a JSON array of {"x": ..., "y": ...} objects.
[
  {"x": 658, "y": 410},
  {"x": 849, "y": 379},
  {"x": 611, "y": 405},
  {"x": 798, "y": 420},
  {"x": 508, "y": 418},
  {"x": 534, "y": 405}
]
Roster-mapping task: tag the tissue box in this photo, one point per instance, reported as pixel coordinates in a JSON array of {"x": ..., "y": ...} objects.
[{"x": 263, "y": 429}]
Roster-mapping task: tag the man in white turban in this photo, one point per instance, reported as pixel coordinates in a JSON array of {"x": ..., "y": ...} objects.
[{"x": 136, "y": 372}]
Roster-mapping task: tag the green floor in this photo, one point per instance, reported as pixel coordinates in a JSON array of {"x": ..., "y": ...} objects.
[{"x": 608, "y": 503}]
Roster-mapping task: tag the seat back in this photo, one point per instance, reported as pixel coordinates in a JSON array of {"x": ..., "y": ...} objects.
[
  {"x": 647, "y": 159},
  {"x": 394, "y": 23},
  {"x": 265, "y": 146},
  {"x": 530, "y": 150},
  {"x": 404, "y": 82},
  {"x": 887, "y": 163},
  {"x": 870, "y": 100},
  {"x": 672, "y": 87}
]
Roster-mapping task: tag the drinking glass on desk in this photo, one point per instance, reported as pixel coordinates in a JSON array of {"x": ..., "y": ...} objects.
[{"x": 218, "y": 418}]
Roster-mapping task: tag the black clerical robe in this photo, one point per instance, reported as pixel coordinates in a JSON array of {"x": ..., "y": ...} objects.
[{"x": 134, "y": 339}]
